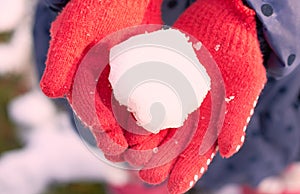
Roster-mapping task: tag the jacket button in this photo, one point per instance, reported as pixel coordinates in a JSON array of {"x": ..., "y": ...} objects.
[{"x": 267, "y": 9}]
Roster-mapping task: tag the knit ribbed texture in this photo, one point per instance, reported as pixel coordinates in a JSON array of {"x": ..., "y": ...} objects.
[
  {"x": 228, "y": 30},
  {"x": 153, "y": 13},
  {"x": 77, "y": 28}
]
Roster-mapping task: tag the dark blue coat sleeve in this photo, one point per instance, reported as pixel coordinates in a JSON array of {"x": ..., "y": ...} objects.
[
  {"x": 171, "y": 9},
  {"x": 56, "y": 5},
  {"x": 41, "y": 34},
  {"x": 281, "y": 29}
]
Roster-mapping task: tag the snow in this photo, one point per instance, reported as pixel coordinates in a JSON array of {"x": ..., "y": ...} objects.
[
  {"x": 12, "y": 13},
  {"x": 16, "y": 18},
  {"x": 53, "y": 152},
  {"x": 158, "y": 76}
]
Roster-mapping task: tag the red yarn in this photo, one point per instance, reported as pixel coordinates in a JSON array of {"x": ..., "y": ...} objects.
[{"x": 227, "y": 28}]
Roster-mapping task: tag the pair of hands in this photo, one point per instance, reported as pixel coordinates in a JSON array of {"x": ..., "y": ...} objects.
[{"x": 226, "y": 28}]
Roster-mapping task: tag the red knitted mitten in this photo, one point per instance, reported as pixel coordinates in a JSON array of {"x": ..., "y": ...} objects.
[
  {"x": 77, "y": 29},
  {"x": 228, "y": 30}
]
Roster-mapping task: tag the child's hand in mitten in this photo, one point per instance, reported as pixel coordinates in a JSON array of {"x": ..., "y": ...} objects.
[
  {"x": 228, "y": 30},
  {"x": 80, "y": 26}
]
